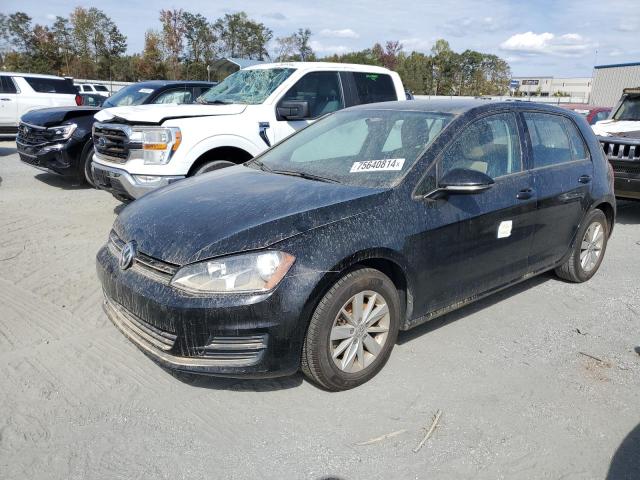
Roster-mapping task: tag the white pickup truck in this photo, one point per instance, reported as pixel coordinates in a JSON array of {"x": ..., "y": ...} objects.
[{"x": 138, "y": 149}]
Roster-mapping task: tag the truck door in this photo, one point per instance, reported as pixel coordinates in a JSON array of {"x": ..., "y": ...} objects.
[{"x": 313, "y": 96}]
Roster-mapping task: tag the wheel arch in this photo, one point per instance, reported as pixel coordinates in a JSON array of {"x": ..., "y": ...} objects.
[
  {"x": 221, "y": 147},
  {"x": 609, "y": 212},
  {"x": 384, "y": 260}
]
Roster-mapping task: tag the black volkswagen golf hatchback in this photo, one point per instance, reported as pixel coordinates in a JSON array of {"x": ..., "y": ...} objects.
[{"x": 375, "y": 219}]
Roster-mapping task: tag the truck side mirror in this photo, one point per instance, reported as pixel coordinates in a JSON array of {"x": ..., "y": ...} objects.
[{"x": 293, "y": 109}]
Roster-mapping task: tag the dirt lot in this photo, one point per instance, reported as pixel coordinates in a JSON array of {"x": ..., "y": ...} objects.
[{"x": 518, "y": 399}]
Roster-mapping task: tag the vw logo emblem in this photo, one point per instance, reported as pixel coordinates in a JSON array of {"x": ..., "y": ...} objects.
[{"x": 127, "y": 255}]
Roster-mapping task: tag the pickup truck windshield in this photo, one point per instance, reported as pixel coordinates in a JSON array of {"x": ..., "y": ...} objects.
[
  {"x": 132, "y": 95},
  {"x": 368, "y": 148},
  {"x": 250, "y": 87},
  {"x": 629, "y": 109}
]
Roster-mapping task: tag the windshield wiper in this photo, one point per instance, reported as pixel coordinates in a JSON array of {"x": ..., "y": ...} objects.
[
  {"x": 308, "y": 176},
  {"x": 217, "y": 102},
  {"x": 261, "y": 166}
]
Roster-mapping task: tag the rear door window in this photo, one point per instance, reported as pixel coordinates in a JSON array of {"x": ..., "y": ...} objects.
[
  {"x": 101, "y": 88},
  {"x": 7, "y": 85},
  {"x": 374, "y": 87},
  {"x": 51, "y": 85},
  {"x": 321, "y": 90},
  {"x": 554, "y": 139}
]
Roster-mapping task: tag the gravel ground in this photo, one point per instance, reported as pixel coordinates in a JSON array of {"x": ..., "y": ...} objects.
[{"x": 518, "y": 399}]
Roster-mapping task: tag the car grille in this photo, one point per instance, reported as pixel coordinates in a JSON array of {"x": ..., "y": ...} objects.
[
  {"x": 621, "y": 149},
  {"x": 111, "y": 142},
  {"x": 157, "y": 337},
  {"x": 144, "y": 264},
  {"x": 626, "y": 168},
  {"x": 31, "y": 134}
]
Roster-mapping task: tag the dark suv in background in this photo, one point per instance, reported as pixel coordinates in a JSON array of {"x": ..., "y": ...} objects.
[{"x": 59, "y": 139}]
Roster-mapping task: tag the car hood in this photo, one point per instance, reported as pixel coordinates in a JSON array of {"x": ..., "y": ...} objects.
[
  {"x": 622, "y": 128},
  {"x": 159, "y": 113},
  {"x": 233, "y": 210},
  {"x": 48, "y": 117}
]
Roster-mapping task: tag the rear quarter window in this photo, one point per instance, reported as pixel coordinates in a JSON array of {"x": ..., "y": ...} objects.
[
  {"x": 374, "y": 87},
  {"x": 51, "y": 85},
  {"x": 7, "y": 85},
  {"x": 101, "y": 88}
]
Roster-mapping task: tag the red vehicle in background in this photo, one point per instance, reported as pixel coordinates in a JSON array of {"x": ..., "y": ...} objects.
[{"x": 593, "y": 114}]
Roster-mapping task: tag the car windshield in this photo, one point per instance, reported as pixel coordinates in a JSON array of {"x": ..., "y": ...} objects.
[
  {"x": 629, "y": 109},
  {"x": 370, "y": 148},
  {"x": 132, "y": 95},
  {"x": 247, "y": 86}
]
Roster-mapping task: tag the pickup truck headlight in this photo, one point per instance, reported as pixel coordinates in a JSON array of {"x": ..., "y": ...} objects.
[
  {"x": 158, "y": 143},
  {"x": 247, "y": 273},
  {"x": 61, "y": 132}
]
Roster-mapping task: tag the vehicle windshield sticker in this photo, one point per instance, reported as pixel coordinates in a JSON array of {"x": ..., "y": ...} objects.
[
  {"x": 377, "y": 165},
  {"x": 372, "y": 76},
  {"x": 504, "y": 230},
  {"x": 146, "y": 90}
]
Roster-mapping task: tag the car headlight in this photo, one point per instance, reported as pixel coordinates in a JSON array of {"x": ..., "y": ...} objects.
[
  {"x": 158, "y": 143},
  {"x": 60, "y": 132},
  {"x": 250, "y": 272}
]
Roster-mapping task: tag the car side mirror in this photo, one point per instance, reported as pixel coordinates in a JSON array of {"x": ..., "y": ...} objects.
[
  {"x": 293, "y": 109},
  {"x": 462, "y": 181}
]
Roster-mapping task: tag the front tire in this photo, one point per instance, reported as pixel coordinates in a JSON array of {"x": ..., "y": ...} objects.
[
  {"x": 352, "y": 330},
  {"x": 211, "y": 166},
  {"x": 588, "y": 251},
  {"x": 86, "y": 173}
]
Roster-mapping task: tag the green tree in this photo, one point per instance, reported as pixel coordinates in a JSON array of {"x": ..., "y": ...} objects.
[
  {"x": 295, "y": 47},
  {"x": 201, "y": 45},
  {"x": 173, "y": 30},
  {"x": 242, "y": 37},
  {"x": 151, "y": 66}
]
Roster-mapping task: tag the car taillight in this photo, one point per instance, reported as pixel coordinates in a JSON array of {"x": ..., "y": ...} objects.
[{"x": 78, "y": 100}]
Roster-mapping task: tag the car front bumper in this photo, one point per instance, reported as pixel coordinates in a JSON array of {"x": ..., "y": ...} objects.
[
  {"x": 121, "y": 183},
  {"x": 243, "y": 335},
  {"x": 60, "y": 158}
]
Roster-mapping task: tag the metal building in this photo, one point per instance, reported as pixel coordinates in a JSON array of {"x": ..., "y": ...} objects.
[{"x": 610, "y": 80}]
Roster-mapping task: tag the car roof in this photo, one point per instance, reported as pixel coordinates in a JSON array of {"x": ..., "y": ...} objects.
[
  {"x": 162, "y": 83},
  {"x": 36, "y": 75},
  {"x": 352, "y": 67},
  {"x": 459, "y": 106}
]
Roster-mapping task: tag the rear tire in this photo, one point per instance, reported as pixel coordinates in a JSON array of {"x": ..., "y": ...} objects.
[
  {"x": 589, "y": 249},
  {"x": 352, "y": 330},
  {"x": 213, "y": 165}
]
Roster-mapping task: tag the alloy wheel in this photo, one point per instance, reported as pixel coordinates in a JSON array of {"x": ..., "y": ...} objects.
[
  {"x": 360, "y": 331},
  {"x": 591, "y": 247}
]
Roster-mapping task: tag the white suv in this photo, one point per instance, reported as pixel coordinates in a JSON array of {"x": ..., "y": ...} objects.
[
  {"x": 22, "y": 92},
  {"x": 145, "y": 147},
  {"x": 94, "y": 88}
]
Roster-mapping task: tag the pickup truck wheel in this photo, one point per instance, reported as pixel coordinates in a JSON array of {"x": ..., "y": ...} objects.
[
  {"x": 213, "y": 165},
  {"x": 352, "y": 330},
  {"x": 588, "y": 252},
  {"x": 86, "y": 167}
]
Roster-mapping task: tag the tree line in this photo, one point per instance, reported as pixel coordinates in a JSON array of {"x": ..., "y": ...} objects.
[{"x": 88, "y": 44}]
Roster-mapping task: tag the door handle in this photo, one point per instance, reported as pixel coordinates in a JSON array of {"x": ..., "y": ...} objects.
[
  {"x": 584, "y": 178},
  {"x": 525, "y": 194}
]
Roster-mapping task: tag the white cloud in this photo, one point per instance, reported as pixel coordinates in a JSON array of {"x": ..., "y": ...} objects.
[
  {"x": 529, "y": 43},
  {"x": 343, "y": 33},
  {"x": 416, "y": 44},
  {"x": 329, "y": 49}
]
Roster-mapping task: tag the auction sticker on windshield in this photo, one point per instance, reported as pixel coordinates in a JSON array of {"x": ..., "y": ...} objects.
[{"x": 378, "y": 165}]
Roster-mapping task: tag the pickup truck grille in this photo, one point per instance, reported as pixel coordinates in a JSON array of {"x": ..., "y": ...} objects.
[
  {"x": 621, "y": 149},
  {"x": 31, "y": 134},
  {"x": 111, "y": 142}
]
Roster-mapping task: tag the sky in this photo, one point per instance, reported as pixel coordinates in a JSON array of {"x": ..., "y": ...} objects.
[{"x": 563, "y": 38}]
